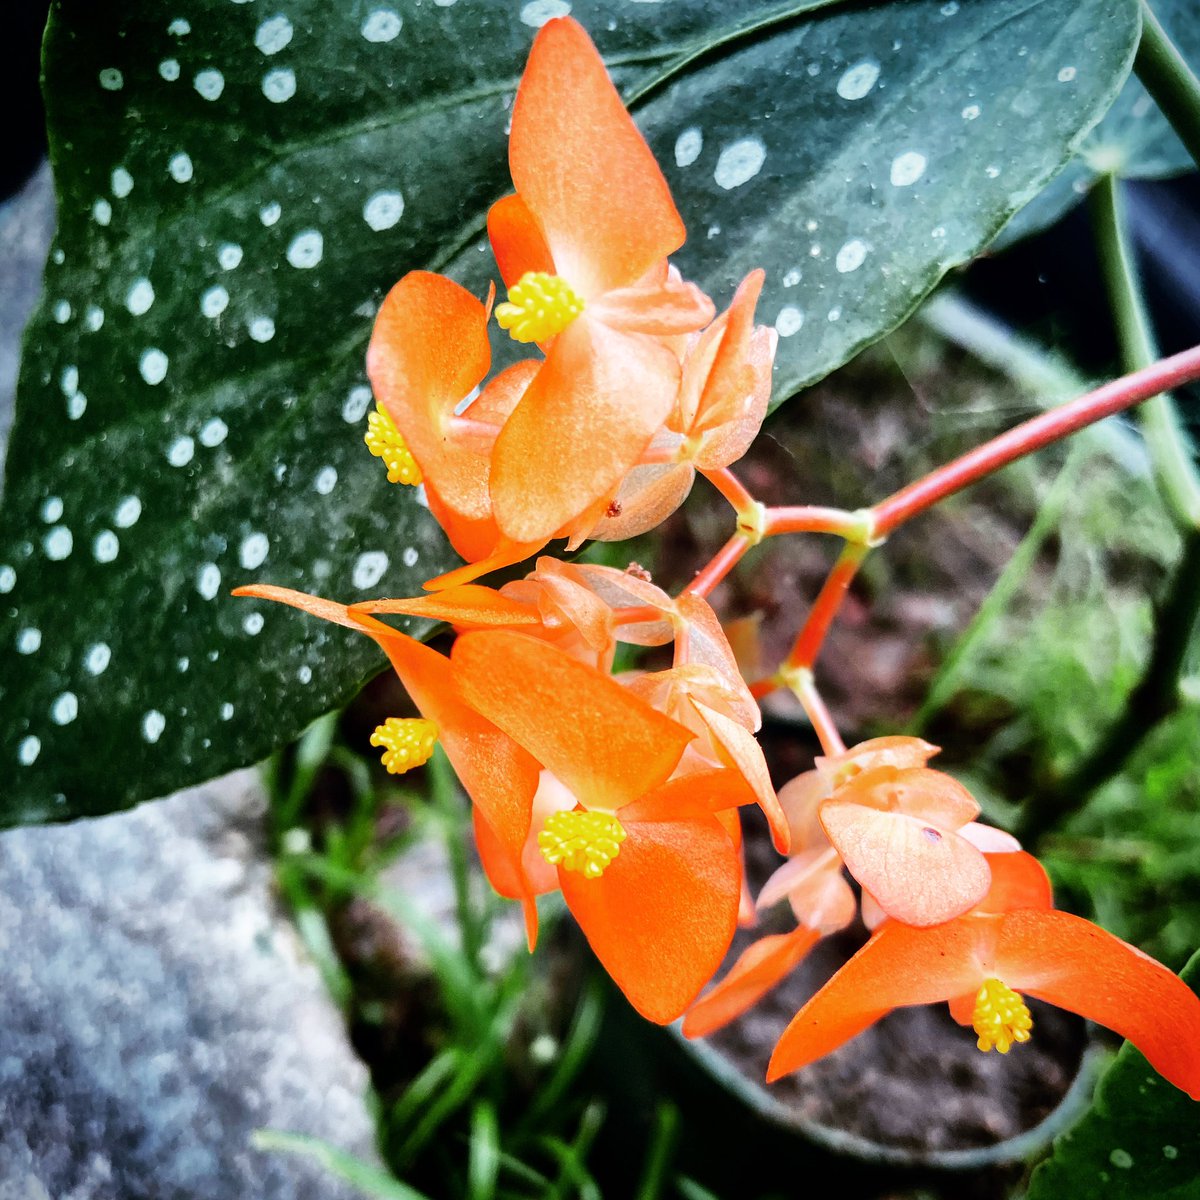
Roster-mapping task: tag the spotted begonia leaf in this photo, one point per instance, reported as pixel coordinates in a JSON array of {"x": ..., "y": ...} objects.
[
  {"x": 240, "y": 183},
  {"x": 1134, "y": 140},
  {"x": 1139, "y": 1139}
]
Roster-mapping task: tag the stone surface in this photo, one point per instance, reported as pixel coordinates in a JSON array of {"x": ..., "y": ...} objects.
[
  {"x": 26, "y": 227},
  {"x": 156, "y": 1009}
]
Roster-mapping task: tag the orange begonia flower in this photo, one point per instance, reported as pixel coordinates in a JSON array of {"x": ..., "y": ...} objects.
[
  {"x": 647, "y": 868},
  {"x": 499, "y": 776},
  {"x": 582, "y": 247},
  {"x": 1013, "y": 943}
]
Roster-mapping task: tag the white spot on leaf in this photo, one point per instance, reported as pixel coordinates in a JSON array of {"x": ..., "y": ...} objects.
[
  {"x": 140, "y": 297},
  {"x": 180, "y": 167},
  {"x": 537, "y": 12},
  {"x": 381, "y": 25},
  {"x": 326, "y": 480},
  {"x": 907, "y": 168},
  {"x": 851, "y": 256},
  {"x": 169, "y": 69},
  {"x": 214, "y": 302},
  {"x": 127, "y": 513},
  {"x": 153, "y": 724},
  {"x": 273, "y": 34},
  {"x": 213, "y": 432},
  {"x": 97, "y": 658},
  {"x": 181, "y": 451},
  {"x": 254, "y": 550},
  {"x": 739, "y": 162},
  {"x": 262, "y": 329},
  {"x": 210, "y": 83},
  {"x": 356, "y": 405},
  {"x": 383, "y": 210},
  {"x": 65, "y": 709},
  {"x": 122, "y": 183},
  {"x": 688, "y": 146},
  {"x": 58, "y": 543},
  {"x": 105, "y": 546},
  {"x": 28, "y": 751},
  {"x": 208, "y": 580},
  {"x": 369, "y": 568},
  {"x": 29, "y": 640},
  {"x": 858, "y": 80},
  {"x": 306, "y": 249},
  {"x": 279, "y": 85},
  {"x": 153, "y": 366},
  {"x": 111, "y": 79}
]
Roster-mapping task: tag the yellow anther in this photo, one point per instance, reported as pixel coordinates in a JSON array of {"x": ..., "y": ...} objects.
[
  {"x": 406, "y": 743},
  {"x": 1001, "y": 1017},
  {"x": 384, "y": 441},
  {"x": 581, "y": 841},
  {"x": 538, "y": 306}
]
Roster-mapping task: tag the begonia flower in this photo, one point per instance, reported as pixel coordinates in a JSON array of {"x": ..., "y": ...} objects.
[
  {"x": 644, "y": 863},
  {"x": 500, "y": 777},
  {"x": 1013, "y": 944},
  {"x": 583, "y": 248}
]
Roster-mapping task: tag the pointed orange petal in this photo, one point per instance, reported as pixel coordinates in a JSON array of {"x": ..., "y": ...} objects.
[
  {"x": 899, "y": 966},
  {"x": 466, "y": 606},
  {"x": 428, "y": 349},
  {"x": 662, "y": 915},
  {"x": 504, "y": 875},
  {"x": 327, "y": 610},
  {"x": 760, "y": 967},
  {"x": 517, "y": 240},
  {"x": 1078, "y": 966},
  {"x": 704, "y": 644},
  {"x": 919, "y": 874},
  {"x": 583, "y": 423},
  {"x": 742, "y": 751},
  {"x": 607, "y": 746},
  {"x": 505, "y": 554},
  {"x": 583, "y": 168}
]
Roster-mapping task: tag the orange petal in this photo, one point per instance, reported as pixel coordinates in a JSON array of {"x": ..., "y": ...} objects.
[
  {"x": 662, "y": 915},
  {"x": 648, "y": 495},
  {"x": 760, "y": 967},
  {"x": 931, "y": 796},
  {"x": 703, "y": 643},
  {"x": 1078, "y": 966},
  {"x": 584, "y": 170},
  {"x": 517, "y": 240},
  {"x": 505, "y": 554},
  {"x": 1018, "y": 881},
  {"x": 741, "y": 750},
  {"x": 428, "y": 350},
  {"x": 327, "y": 610},
  {"x": 919, "y": 874},
  {"x": 662, "y": 311},
  {"x": 895, "y": 750},
  {"x": 503, "y": 874},
  {"x": 607, "y": 746},
  {"x": 899, "y": 966},
  {"x": 466, "y": 606},
  {"x": 583, "y": 423}
]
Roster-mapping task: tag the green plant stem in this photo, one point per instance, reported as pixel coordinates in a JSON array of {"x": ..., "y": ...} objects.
[
  {"x": 1169, "y": 79},
  {"x": 1156, "y": 696},
  {"x": 1165, "y": 437}
]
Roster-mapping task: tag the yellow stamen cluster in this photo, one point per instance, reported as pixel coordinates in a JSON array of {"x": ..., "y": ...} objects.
[
  {"x": 384, "y": 441},
  {"x": 581, "y": 841},
  {"x": 538, "y": 307},
  {"x": 406, "y": 743},
  {"x": 1001, "y": 1017}
]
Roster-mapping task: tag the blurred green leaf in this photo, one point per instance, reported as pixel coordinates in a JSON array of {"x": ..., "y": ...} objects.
[
  {"x": 237, "y": 190},
  {"x": 1140, "y": 1139},
  {"x": 370, "y": 1180}
]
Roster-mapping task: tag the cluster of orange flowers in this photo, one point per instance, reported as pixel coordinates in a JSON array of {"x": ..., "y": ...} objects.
[{"x": 624, "y": 791}]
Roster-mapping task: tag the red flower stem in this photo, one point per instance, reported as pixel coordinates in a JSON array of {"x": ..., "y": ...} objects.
[
  {"x": 732, "y": 488},
  {"x": 764, "y": 687},
  {"x": 1033, "y": 435},
  {"x": 818, "y": 713},
  {"x": 722, "y": 563},
  {"x": 811, "y": 518},
  {"x": 829, "y": 600}
]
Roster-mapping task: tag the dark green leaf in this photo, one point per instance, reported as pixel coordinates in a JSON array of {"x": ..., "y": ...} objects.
[
  {"x": 1140, "y": 1139},
  {"x": 1133, "y": 141},
  {"x": 238, "y": 187}
]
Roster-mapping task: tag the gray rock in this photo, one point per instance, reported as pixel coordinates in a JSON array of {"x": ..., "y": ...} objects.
[
  {"x": 156, "y": 1009},
  {"x": 26, "y": 227}
]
